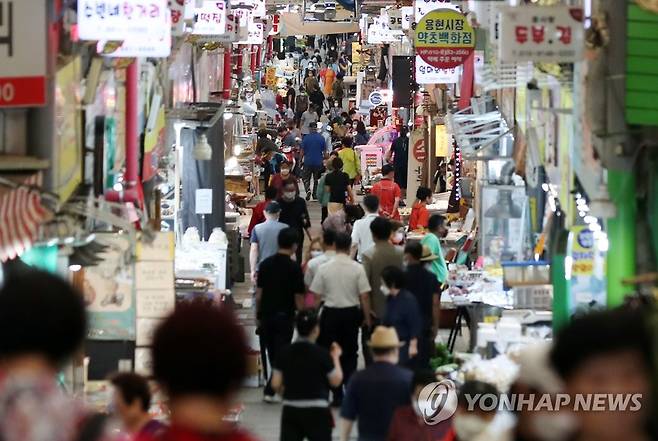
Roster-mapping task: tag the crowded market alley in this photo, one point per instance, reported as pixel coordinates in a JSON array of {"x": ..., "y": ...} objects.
[{"x": 350, "y": 220}]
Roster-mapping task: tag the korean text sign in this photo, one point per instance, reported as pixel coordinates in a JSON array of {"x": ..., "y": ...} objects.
[
  {"x": 122, "y": 19},
  {"x": 444, "y": 38},
  {"x": 541, "y": 33},
  {"x": 23, "y": 51},
  {"x": 210, "y": 19}
]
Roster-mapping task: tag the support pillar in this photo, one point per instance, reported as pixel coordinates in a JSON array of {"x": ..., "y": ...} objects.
[
  {"x": 227, "y": 72},
  {"x": 621, "y": 235}
]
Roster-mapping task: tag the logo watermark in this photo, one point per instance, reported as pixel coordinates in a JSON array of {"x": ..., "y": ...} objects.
[{"x": 438, "y": 402}]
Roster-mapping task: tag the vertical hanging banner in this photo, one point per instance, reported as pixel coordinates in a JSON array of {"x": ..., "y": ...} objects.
[
  {"x": 121, "y": 20},
  {"x": 177, "y": 8},
  {"x": 444, "y": 38},
  {"x": 210, "y": 19},
  {"x": 541, "y": 33},
  {"x": 23, "y": 51},
  {"x": 417, "y": 155}
]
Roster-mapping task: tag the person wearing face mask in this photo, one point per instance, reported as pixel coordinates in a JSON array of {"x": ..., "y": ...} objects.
[
  {"x": 375, "y": 259},
  {"x": 329, "y": 247},
  {"x": 478, "y": 424},
  {"x": 402, "y": 312},
  {"x": 408, "y": 423},
  {"x": 351, "y": 160},
  {"x": 398, "y": 155},
  {"x": 294, "y": 213},
  {"x": 313, "y": 146},
  {"x": 431, "y": 240},
  {"x": 280, "y": 179},
  {"x": 419, "y": 214},
  {"x": 361, "y": 235},
  {"x": 424, "y": 285},
  {"x": 537, "y": 376}
]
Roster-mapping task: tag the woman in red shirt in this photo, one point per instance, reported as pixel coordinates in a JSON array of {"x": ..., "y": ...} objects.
[{"x": 420, "y": 216}]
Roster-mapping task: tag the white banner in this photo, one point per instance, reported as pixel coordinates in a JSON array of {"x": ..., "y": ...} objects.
[
  {"x": 132, "y": 48},
  {"x": 254, "y": 33},
  {"x": 379, "y": 32},
  {"x": 120, "y": 20},
  {"x": 210, "y": 19},
  {"x": 177, "y": 8},
  {"x": 423, "y": 7},
  {"x": 426, "y": 74},
  {"x": 407, "y": 17},
  {"x": 541, "y": 33}
]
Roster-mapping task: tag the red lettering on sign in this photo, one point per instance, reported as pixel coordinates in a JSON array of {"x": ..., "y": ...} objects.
[
  {"x": 419, "y": 151},
  {"x": 22, "y": 92},
  {"x": 538, "y": 34},
  {"x": 521, "y": 33},
  {"x": 565, "y": 34}
]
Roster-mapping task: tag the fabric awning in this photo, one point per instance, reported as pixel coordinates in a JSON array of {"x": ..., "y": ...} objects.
[
  {"x": 291, "y": 24},
  {"x": 21, "y": 213}
]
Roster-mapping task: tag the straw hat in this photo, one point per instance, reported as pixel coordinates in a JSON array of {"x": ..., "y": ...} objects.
[
  {"x": 384, "y": 338},
  {"x": 428, "y": 255}
]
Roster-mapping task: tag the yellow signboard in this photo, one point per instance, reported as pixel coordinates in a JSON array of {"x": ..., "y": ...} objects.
[
  {"x": 270, "y": 77},
  {"x": 442, "y": 141},
  {"x": 444, "y": 39}
]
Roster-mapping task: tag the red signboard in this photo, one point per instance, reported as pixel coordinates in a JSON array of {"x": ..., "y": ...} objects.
[
  {"x": 22, "y": 92},
  {"x": 419, "y": 150}
]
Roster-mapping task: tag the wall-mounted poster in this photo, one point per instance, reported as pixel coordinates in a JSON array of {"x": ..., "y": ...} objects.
[{"x": 109, "y": 291}]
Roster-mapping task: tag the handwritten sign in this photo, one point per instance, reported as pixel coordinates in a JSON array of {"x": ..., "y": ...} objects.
[
  {"x": 161, "y": 249},
  {"x": 146, "y": 328},
  {"x": 203, "y": 201},
  {"x": 155, "y": 303}
]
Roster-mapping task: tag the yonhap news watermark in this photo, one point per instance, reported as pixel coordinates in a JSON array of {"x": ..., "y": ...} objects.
[
  {"x": 438, "y": 402},
  {"x": 597, "y": 402}
]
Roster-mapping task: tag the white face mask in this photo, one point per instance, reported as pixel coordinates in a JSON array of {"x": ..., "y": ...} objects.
[
  {"x": 385, "y": 290},
  {"x": 467, "y": 427},
  {"x": 554, "y": 426},
  {"x": 316, "y": 253},
  {"x": 289, "y": 195}
]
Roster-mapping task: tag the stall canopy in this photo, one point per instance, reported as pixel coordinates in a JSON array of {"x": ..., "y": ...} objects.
[{"x": 292, "y": 24}]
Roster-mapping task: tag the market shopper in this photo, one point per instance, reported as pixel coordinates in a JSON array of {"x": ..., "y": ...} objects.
[
  {"x": 402, "y": 312},
  {"x": 337, "y": 184},
  {"x": 343, "y": 286},
  {"x": 313, "y": 147},
  {"x": 361, "y": 136},
  {"x": 280, "y": 292},
  {"x": 200, "y": 360},
  {"x": 374, "y": 393},
  {"x": 388, "y": 192},
  {"x": 265, "y": 237},
  {"x": 609, "y": 352},
  {"x": 351, "y": 161},
  {"x": 481, "y": 423},
  {"x": 435, "y": 230},
  {"x": 258, "y": 212},
  {"x": 279, "y": 180},
  {"x": 131, "y": 400},
  {"x": 424, "y": 285},
  {"x": 329, "y": 247},
  {"x": 311, "y": 83},
  {"x": 361, "y": 234},
  {"x": 271, "y": 161},
  {"x": 308, "y": 118},
  {"x": 305, "y": 372},
  {"x": 264, "y": 143},
  {"x": 343, "y": 220},
  {"x": 294, "y": 213},
  {"x": 338, "y": 92},
  {"x": 420, "y": 215},
  {"x": 290, "y": 95},
  {"x": 398, "y": 155},
  {"x": 43, "y": 324},
  {"x": 375, "y": 259},
  {"x": 322, "y": 194},
  {"x": 408, "y": 423}
]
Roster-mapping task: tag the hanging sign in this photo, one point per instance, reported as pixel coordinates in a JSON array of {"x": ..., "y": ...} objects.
[
  {"x": 414, "y": 165},
  {"x": 210, "y": 19},
  {"x": 270, "y": 76},
  {"x": 588, "y": 280},
  {"x": 177, "y": 8},
  {"x": 426, "y": 74},
  {"x": 376, "y": 98},
  {"x": 254, "y": 32},
  {"x": 379, "y": 32},
  {"x": 256, "y": 7},
  {"x": 131, "y": 48},
  {"x": 407, "y": 16},
  {"x": 23, "y": 51},
  {"x": 424, "y": 7},
  {"x": 541, "y": 33},
  {"x": 203, "y": 201},
  {"x": 395, "y": 19},
  {"x": 121, "y": 19},
  {"x": 444, "y": 38}
]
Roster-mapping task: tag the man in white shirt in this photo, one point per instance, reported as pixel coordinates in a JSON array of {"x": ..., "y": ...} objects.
[
  {"x": 361, "y": 234},
  {"x": 329, "y": 245},
  {"x": 344, "y": 287}
]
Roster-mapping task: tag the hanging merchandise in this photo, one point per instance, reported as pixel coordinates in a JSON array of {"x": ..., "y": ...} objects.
[
  {"x": 541, "y": 33},
  {"x": 444, "y": 38},
  {"x": 125, "y": 20}
]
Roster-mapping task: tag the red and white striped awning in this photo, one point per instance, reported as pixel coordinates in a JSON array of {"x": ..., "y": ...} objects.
[{"x": 21, "y": 213}]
